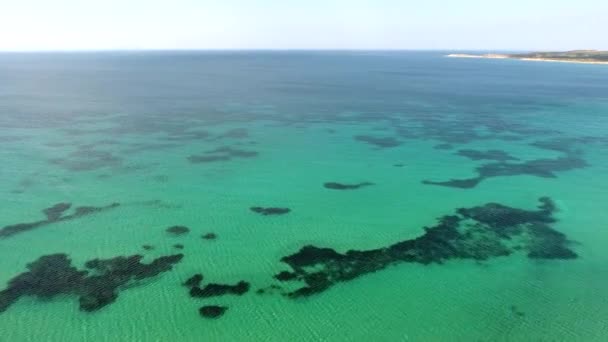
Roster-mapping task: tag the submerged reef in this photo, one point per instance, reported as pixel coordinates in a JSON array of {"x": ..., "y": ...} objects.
[
  {"x": 340, "y": 186},
  {"x": 545, "y": 168},
  {"x": 87, "y": 159},
  {"x": 187, "y": 135},
  {"x": 12, "y": 138},
  {"x": 478, "y": 233},
  {"x": 161, "y": 178},
  {"x": 497, "y": 155},
  {"x": 178, "y": 230},
  {"x": 474, "y": 126},
  {"x": 382, "y": 142},
  {"x": 194, "y": 281},
  {"x": 233, "y": 152},
  {"x": 135, "y": 148},
  {"x": 208, "y": 159},
  {"x": 55, "y": 213},
  {"x": 212, "y": 311},
  {"x": 270, "y": 210},
  {"x": 213, "y": 290},
  {"x": 160, "y": 204},
  {"x": 285, "y": 275},
  {"x": 443, "y": 146},
  {"x": 225, "y": 153},
  {"x": 515, "y": 311},
  {"x": 571, "y": 158},
  {"x": 236, "y": 133},
  {"x": 96, "y": 286},
  {"x": 569, "y": 145},
  {"x": 209, "y": 236},
  {"x": 269, "y": 289}
]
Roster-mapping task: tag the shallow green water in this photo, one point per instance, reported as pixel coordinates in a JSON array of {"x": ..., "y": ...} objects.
[{"x": 99, "y": 129}]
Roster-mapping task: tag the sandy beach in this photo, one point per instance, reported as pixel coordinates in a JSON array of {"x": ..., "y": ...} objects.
[
  {"x": 502, "y": 56},
  {"x": 465, "y": 55},
  {"x": 560, "y": 60}
]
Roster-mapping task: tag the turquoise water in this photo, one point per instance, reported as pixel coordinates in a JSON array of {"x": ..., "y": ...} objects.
[{"x": 196, "y": 139}]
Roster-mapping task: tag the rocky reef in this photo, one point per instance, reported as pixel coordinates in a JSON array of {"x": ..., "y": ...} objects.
[
  {"x": 96, "y": 286},
  {"x": 212, "y": 311},
  {"x": 213, "y": 289},
  {"x": 270, "y": 210},
  {"x": 478, "y": 233},
  {"x": 341, "y": 186},
  {"x": 224, "y": 153},
  {"x": 178, "y": 230},
  {"x": 381, "y": 142},
  {"x": 497, "y": 155},
  {"x": 194, "y": 281},
  {"x": 209, "y": 236},
  {"x": 545, "y": 168},
  {"x": 55, "y": 213}
]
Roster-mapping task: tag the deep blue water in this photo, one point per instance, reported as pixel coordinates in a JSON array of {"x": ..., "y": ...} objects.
[
  {"x": 439, "y": 198},
  {"x": 307, "y": 84}
]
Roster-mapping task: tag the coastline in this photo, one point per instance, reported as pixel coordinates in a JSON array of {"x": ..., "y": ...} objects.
[
  {"x": 529, "y": 59},
  {"x": 466, "y": 55}
]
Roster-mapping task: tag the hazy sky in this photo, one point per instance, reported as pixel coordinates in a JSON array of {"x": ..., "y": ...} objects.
[{"x": 304, "y": 24}]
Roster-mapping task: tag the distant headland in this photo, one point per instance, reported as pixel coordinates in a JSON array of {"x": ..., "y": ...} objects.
[{"x": 575, "y": 56}]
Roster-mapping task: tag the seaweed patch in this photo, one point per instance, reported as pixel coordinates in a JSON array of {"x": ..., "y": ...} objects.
[
  {"x": 443, "y": 146},
  {"x": 507, "y": 165},
  {"x": 55, "y": 213},
  {"x": 97, "y": 286},
  {"x": 567, "y": 145},
  {"x": 157, "y": 204},
  {"x": 236, "y": 133},
  {"x": 208, "y": 159},
  {"x": 545, "y": 168},
  {"x": 382, "y": 142},
  {"x": 194, "y": 281},
  {"x": 269, "y": 290},
  {"x": 209, "y": 236},
  {"x": 86, "y": 159},
  {"x": 341, "y": 186},
  {"x": 9, "y": 139},
  {"x": 225, "y": 153},
  {"x": 212, "y": 311},
  {"x": 213, "y": 290},
  {"x": 178, "y": 230},
  {"x": 188, "y": 135},
  {"x": 144, "y": 147},
  {"x": 478, "y": 233},
  {"x": 161, "y": 178},
  {"x": 515, "y": 311},
  {"x": 270, "y": 210},
  {"x": 497, "y": 155}
]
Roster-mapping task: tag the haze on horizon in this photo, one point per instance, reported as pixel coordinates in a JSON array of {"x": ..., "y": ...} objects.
[{"x": 31, "y": 25}]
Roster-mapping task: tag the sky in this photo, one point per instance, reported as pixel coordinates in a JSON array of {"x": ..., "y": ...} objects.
[{"x": 304, "y": 24}]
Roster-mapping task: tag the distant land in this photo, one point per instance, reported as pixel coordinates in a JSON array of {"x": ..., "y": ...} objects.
[{"x": 574, "y": 56}]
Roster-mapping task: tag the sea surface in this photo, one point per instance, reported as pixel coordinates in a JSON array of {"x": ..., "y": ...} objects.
[{"x": 329, "y": 196}]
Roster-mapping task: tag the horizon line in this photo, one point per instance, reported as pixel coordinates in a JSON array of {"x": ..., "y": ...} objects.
[{"x": 279, "y": 50}]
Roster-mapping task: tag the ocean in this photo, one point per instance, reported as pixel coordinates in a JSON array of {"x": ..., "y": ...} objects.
[{"x": 318, "y": 196}]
